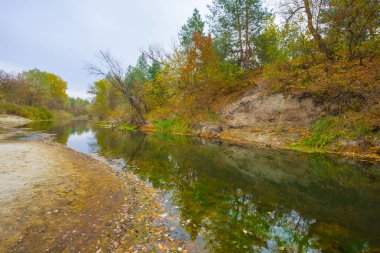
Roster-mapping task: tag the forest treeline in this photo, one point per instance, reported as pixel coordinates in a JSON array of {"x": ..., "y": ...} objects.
[
  {"x": 309, "y": 46},
  {"x": 38, "y": 94}
]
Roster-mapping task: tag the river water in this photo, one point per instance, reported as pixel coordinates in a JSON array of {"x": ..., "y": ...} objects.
[{"x": 233, "y": 199}]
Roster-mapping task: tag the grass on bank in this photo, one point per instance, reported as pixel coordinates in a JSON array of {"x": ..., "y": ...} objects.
[
  {"x": 322, "y": 134},
  {"x": 172, "y": 126},
  {"x": 351, "y": 126}
]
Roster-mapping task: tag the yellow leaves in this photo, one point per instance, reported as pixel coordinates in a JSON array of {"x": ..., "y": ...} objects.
[
  {"x": 160, "y": 246},
  {"x": 305, "y": 133}
]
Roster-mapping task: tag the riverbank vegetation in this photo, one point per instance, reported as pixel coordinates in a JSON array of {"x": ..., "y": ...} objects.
[
  {"x": 38, "y": 95},
  {"x": 324, "y": 50}
]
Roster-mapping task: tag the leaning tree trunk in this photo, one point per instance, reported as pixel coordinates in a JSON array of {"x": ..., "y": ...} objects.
[
  {"x": 137, "y": 107},
  {"x": 317, "y": 37},
  {"x": 135, "y": 102},
  {"x": 115, "y": 75}
]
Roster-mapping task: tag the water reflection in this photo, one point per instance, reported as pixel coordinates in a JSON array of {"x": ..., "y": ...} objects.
[
  {"x": 83, "y": 142},
  {"x": 249, "y": 200}
]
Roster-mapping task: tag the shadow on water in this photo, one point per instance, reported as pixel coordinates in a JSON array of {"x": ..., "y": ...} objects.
[{"x": 248, "y": 200}]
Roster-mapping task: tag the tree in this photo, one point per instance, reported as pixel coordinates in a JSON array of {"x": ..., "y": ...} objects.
[
  {"x": 356, "y": 23},
  {"x": 193, "y": 25},
  {"x": 271, "y": 44},
  {"x": 13, "y": 88},
  {"x": 134, "y": 76},
  {"x": 57, "y": 89},
  {"x": 38, "y": 86},
  {"x": 237, "y": 24},
  {"x": 309, "y": 13},
  {"x": 79, "y": 106},
  {"x": 108, "y": 101},
  {"x": 201, "y": 74},
  {"x": 115, "y": 74},
  {"x": 153, "y": 71},
  {"x": 331, "y": 22},
  {"x": 143, "y": 66},
  {"x": 45, "y": 89},
  {"x": 322, "y": 45}
]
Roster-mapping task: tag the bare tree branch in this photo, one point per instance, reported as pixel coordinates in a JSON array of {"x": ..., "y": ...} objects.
[{"x": 114, "y": 72}]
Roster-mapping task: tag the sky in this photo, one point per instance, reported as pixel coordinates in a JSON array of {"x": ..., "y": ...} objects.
[{"x": 61, "y": 36}]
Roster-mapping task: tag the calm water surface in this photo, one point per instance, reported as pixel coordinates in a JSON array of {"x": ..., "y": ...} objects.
[{"x": 233, "y": 199}]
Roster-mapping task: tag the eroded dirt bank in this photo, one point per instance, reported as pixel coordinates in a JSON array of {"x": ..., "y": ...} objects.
[{"x": 292, "y": 122}]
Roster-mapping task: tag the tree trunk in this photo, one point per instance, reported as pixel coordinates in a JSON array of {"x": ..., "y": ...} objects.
[
  {"x": 248, "y": 51},
  {"x": 350, "y": 50},
  {"x": 241, "y": 60},
  {"x": 317, "y": 37},
  {"x": 134, "y": 102},
  {"x": 137, "y": 107}
]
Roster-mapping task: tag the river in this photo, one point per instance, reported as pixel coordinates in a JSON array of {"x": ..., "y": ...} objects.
[{"x": 227, "y": 198}]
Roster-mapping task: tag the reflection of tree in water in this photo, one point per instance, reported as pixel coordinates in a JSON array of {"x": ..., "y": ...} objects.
[
  {"x": 251, "y": 200},
  {"x": 80, "y": 127},
  {"x": 62, "y": 129},
  {"x": 39, "y": 125}
]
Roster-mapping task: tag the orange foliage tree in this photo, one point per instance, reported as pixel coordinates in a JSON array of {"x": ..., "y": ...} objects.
[{"x": 201, "y": 74}]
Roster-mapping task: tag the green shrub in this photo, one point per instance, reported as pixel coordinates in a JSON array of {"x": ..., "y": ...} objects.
[
  {"x": 172, "y": 126},
  {"x": 127, "y": 127},
  {"x": 30, "y": 112}
]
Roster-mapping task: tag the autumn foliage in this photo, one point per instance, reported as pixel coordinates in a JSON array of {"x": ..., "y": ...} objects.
[
  {"x": 324, "y": 50},
  {"x": 35, "y": 94},
  {"x": 201, "y": 77}
]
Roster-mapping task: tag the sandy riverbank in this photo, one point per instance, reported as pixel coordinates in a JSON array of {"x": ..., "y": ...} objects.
[
  {"x": 54, "y": 199},
  {"x": 9, "y": 124}
]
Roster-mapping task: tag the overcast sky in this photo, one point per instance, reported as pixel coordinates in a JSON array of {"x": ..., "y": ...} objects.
[{"x": 59, "y": 36}]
